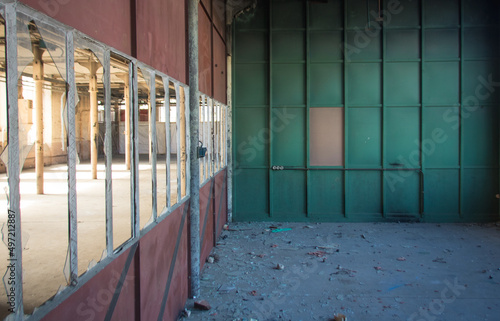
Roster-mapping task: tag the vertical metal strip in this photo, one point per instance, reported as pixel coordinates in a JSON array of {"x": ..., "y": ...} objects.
[
  {"x": 178, "y": 134},
  {"x": 307, "y": 109},
  {"x": 71, "y": 132},
  {"x": 210, "y": 123},
  {"x": 346, "y": 112},
  {"x": 422, "y": 107},
  {"x": 270, "y": 114},
  {"x": 461, "y": 97},
  {"x": 15, "y": 254},
  {"x": 168, "y": 150},
  {"x": 154, "y": 143},
  {"x": 384, "y": 131},
  {"x": 109, "y": 152},
  {"x": 134, "y": 167}
]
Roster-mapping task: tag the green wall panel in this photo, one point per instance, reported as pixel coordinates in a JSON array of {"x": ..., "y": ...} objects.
[
  {"x": 365, "y": 134},
  {"x": 288, "y": 84},
  {"x": 440, "y": 144},
  {"x": 444, "y": 13},
  {"x": 441, "y": 202},
  {"x": 364, "y": 84},
  {"x": 288, "y": 142},
  {"x": 480, "y": 12},
  {"x": 327, "y": 15},
  {"x": 406, "y": 13},
  {"x": 251, "y": 84},
  {"x": 442, "y": 43},
  {"x": 288, "y": 46},
  {"x": 324, "y": 46},
  {"x": 403, "y": 44},
  {"x": 288, "y": 14},
  {"x": 441, "y": 83},
  {"x": 481, "y": 43},
  {"x": 358, "y": 13},
  {"x": 477, "y": 85},
  {"x": 327, "y": 85},
  {"x": 326, "y": 190},
  {"x": 480, "y": 133},
  {"x": 402, "y": 189},
  {"x": 289, "y": 194},
  {"x": 252, "y": 46},
  {"x": 480, "y": 187},
  {"x": 365, "y": 195},
  {"x": 258, "y": 19},
  {"x": 252, "y": 137},
  {"x": 402, "y": 137},
  {"x": 251, "y": 194},
  {"x": 403, "y": 83},
  {"x": 363, "y": 46}
]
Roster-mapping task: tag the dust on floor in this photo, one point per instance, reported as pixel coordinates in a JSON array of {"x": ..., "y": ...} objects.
[{"x": 365, "y": 271}]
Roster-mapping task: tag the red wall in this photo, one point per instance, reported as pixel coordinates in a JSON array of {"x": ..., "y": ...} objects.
[
  {"x": 212, "y": 46},
  {"x": 107, "y": 21},
  {"x": 147, "y": 264}
]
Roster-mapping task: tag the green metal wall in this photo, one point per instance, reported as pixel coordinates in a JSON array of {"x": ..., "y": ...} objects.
[{"x": 412, "y": 103}]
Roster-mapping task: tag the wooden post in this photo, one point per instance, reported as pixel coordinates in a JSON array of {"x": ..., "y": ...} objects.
[{"x": 38, "y": 78}]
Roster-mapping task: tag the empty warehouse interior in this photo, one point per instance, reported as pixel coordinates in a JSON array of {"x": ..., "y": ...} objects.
[{"x": 121, "y": 159}]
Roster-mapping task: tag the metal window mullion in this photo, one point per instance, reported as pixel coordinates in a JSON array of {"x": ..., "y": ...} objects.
[
  {"x": 211, "y": 133},
  {"x": 178, "y": 134},
  {"x": 188, "y": 141},
  {"x": 152, "y": 121},
  {"x": 134, "y": 168},
  {"x": 109, "y": 152},
  {"x": 166, "y": 87},
  {"x": 203, "y": 118},
  {"x": 71, "y": 156},
  {"x": 13, "y": 157},
  {"x": 216, "y": 138}
]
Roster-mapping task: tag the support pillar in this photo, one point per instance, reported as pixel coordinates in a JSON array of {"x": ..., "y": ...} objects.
[
  {"x": 38, "y": 105},
  {"x": 194, "y": 113}
]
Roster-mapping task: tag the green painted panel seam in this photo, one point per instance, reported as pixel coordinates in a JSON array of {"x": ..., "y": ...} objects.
[
  {"x": 422, "y": 100},
  {"x": 383, "y": 125},
  {"x": 308, "y": 106},
  {"x": 461, "y": 91},
  {"x": 270, "y": 163}
]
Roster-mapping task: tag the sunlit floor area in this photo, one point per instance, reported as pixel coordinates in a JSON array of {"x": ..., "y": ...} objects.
[{"x": 44, "y": 220}]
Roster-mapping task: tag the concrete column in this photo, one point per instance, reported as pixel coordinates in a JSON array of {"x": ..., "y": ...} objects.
[
  {"x": 38, "y": 105},
  {"x": 194, "y": 124},
  {"x": 94, "y": 123}
]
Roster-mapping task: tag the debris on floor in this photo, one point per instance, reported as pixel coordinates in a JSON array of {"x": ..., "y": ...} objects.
[
  {"x": 202, "y": 305},
  {"x": 395, "y": 272}
]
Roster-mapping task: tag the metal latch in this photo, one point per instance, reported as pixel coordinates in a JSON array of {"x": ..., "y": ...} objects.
[{"x": 278, "y": 168}]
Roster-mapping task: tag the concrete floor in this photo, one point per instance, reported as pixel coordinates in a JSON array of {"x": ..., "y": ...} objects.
[
  {"x": 45, "y": 221},
  {"x": 366, "y": 271}
]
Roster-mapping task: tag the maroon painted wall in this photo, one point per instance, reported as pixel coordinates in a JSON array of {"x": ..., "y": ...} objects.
[
  {"x": 147, "y": 265},
  {"x": 212, "y": 50},
  {"x": 161, "y": 36},
  {"x": 107, "y": 21}
]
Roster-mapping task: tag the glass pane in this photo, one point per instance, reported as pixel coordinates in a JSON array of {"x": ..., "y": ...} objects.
[
  {"x": 161, "y": 138},
  {"x": 145, "y": 150},
  {"x": 91, "y": 174},
  {"x": 120, "y": 94},
  {"x": 44, "y": 175},
  {"x": 174, "y": 143},
  {"x": 326, "y": 130}
]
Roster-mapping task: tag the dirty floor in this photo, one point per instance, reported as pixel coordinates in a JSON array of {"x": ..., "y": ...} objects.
[{"x": 365, "y": 271}]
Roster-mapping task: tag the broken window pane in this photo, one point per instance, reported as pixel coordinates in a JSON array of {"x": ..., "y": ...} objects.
[
  {"x": 44, "y": 175},
  {"x": 91, "y": 197},
  {"x": 162, "y": 143},
  {"x": 120, "y": 94},
  {"x": 145, "y": 130}
]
